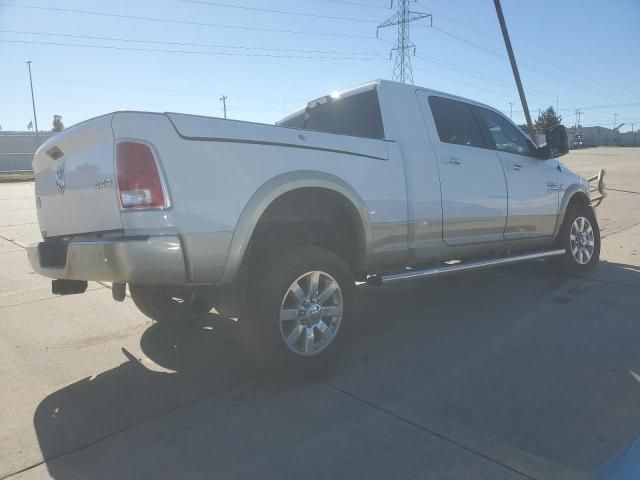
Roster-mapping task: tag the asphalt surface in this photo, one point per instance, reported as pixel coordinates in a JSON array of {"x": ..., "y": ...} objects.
[{"x": 503, "y": 374}]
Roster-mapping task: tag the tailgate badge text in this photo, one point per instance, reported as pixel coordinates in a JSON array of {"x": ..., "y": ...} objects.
[{"x": 107, "y": 182}]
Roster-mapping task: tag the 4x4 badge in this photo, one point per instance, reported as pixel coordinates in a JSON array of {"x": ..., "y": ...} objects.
[{"x": 60, "y": 178}]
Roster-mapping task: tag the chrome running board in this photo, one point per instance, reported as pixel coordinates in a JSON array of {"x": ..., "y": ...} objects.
[{"x": 411, "y": 273}]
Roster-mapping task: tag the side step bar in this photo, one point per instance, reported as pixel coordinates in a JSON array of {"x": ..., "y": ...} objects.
[{"x": 412, "y": 273}]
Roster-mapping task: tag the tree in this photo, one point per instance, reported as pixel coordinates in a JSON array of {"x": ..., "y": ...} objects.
[
  {"x": 525, "y": 128},
  {"x": 58, "y": 126},
  {"x": 547, "y": 119}
]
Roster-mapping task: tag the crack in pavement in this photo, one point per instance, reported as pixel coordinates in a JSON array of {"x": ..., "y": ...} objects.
[
  {"x": 57, "y": 297},
  {"x": 622, "y": 191},
  {"x": 15, "y": 242},
  {"x": 18, "y": 224}
]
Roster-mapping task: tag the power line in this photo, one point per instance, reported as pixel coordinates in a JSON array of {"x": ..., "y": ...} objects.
[
  {"x": 461, "y": 81},
  {"x": 357, "y": 4},
  {"x": 166, "y": 90},
  {"x": 471, "y": 73},
  {"x": 193, "y": 52},
  {"x": 189, "y": 44},
  {"x": 441, "y": 13},
  {"x": 283, "y": 12},
  {"x": 545, "y": 61},
  {"x": 469, "y": 42},
  {"x": 465, "y": 70},
  {"x": 529, "y": 67},
  {"x": 597, "y": 107},
  {"x": 183, "y": 22}
]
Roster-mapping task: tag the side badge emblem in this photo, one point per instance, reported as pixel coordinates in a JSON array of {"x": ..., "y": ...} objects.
[{"x": 60, "y": 178}]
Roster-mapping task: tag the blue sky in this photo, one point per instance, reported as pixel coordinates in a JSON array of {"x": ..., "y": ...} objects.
[{"x": 584, "y": 53}]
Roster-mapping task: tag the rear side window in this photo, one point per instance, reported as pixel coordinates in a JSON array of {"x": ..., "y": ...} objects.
[
  {"x": 455, "y": 122},
  {"x": 357, "y": 115}
]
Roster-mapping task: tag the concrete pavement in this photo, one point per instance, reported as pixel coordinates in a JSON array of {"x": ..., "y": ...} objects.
[{"x": 511, "y": 373}]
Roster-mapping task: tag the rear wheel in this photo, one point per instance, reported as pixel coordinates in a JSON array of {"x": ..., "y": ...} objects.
[
  {"x": 301, "y": 310},
  {"x": 168, "y": 305},
  {"x": 580, "y": 237}
]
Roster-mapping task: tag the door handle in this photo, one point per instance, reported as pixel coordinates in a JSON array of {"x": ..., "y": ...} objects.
[
  {"x": 516, "y": 166},
  {"x": 454, "y": 160}
]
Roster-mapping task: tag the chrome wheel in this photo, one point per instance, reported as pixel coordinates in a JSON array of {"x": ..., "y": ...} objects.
[
  {"x": 311, "y": 313},
  {"x": 581, "y": 240}
]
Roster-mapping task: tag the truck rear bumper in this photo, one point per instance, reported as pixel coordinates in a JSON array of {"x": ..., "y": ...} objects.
[{"x": 143, "y": 259}]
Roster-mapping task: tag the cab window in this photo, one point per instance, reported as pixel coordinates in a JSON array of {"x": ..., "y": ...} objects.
[
  {"x": 357, "y": 115},
  {"x": 506, "y": 137},
  {"x": 455, "y": 122}
]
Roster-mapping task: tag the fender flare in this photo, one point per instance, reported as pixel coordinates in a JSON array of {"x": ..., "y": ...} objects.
[
  {"x": 570, "y": 192},
  {"x": 270, "y": 191}
]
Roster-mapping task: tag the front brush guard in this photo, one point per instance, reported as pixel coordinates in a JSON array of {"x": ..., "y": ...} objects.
[{"x": 599, "y": 188}]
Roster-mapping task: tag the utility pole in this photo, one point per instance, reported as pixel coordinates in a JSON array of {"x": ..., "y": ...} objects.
[
  {"x": 223, "y": 99},
  {"x": 511, "y": 110},
  {"x": 33, "y": 101},
  {"x": 514, "y": 66},
  {"x": 579, "y": 114},
  {"x": 402, "y": 71},
  {"x": 615, "y": 120}
]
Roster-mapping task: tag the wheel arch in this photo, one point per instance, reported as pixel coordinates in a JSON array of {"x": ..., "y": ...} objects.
[
  {"x": 270, "y": 192},
  {"x": 574, "y": 194}
]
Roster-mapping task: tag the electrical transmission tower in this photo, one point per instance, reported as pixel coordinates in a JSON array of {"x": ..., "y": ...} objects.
[{"x": 402, "y": 71}]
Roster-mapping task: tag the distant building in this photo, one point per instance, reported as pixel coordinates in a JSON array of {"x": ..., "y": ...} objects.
[
  {"x": 17, "y": 149},
  {"x": 602, "y": 136}
]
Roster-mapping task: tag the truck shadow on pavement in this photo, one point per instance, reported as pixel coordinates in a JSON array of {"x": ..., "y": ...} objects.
[{"x": 421, "y": 345}]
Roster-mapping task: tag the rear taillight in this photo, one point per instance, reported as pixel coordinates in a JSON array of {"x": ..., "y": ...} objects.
[{"x": 139, "y": 182}]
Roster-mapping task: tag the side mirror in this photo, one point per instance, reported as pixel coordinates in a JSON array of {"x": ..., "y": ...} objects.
[{"x": 557, "y": 141}]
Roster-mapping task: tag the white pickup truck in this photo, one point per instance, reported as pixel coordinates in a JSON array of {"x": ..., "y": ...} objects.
[{"x": 274, "y": 224}]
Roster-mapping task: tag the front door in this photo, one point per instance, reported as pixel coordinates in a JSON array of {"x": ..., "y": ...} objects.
[
  {"x": 472, "y": 181},
  {"x": 532, "y": 183}
]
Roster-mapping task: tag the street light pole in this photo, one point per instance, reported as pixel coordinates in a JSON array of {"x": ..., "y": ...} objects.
[{"x": 33, "y": 101}]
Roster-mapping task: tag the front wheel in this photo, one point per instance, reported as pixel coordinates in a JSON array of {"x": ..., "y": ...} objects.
[
  {"x": 580, "y": 237},
  {"x": 301, "y": 308}
]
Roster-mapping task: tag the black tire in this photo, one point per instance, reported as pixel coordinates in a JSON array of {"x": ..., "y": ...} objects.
[
  {"x": 569, "y": 263},
  {"x": 167, "y": 306},
  {"x": 269, "y": 293}
]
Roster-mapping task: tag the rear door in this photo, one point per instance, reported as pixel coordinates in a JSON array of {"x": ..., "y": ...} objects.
[
  {"x": 532, "y": 183},
  {"x": 473, "y": 186},
  {"x": 75, "y": 181}
]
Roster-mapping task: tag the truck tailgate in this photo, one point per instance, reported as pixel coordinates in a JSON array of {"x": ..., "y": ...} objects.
[{"x": 76, "y": 182}]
